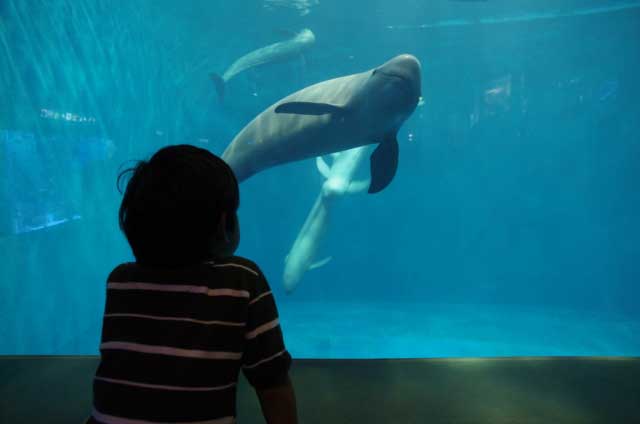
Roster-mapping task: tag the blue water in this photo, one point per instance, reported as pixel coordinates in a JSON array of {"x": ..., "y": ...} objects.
[{"x": 511, "y": 227}]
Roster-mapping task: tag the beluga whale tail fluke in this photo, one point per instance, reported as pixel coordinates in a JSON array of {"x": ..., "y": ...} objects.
[
  {"x": 282, "y": 51},
  {"x": 334, "y": 116}
]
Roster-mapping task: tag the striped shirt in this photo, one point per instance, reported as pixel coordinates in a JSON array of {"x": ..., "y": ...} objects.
[{"x": 174, "y": 342}]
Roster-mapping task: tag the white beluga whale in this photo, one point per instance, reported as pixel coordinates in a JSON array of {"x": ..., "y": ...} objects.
[
  {"x": 339, "y": 180},
  {"x": 333, "y": 116},
  {"x": 273, "y": 53}
]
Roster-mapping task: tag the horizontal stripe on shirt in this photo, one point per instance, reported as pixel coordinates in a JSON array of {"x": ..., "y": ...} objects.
[
  {"x": 195, "y": 321},
  {"x": 232, "y": 265},
  {"x": 165, "y": 387},
  {"x": 262, "y": 329},
  {"x": 270, "y": 358},
  {"x": 171, "y": 351},
  {"x": 178, "y": 288},
  {"x": 168, "y": 370},
  {"x": 176, "y": 304},
  {"x": 111, "y": 419},
  {"x": 177, "y": 334},
  {"x": 259, "y": 297}
]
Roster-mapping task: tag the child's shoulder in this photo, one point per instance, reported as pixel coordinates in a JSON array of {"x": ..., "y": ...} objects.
[
  {"x": 121, "y": 271},
  {"x": 234, "y": 268}
]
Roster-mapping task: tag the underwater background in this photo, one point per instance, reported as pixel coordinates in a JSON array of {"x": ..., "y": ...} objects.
[{"x": 511, "y": 228}]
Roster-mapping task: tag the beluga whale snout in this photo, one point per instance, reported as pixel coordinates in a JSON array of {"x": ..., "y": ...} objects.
[
  {"x": 407, "y": 68},
  {"x": 333, "y": 116}
]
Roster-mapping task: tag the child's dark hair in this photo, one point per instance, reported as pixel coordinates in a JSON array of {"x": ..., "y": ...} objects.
[{"x": 173, "y": 203}]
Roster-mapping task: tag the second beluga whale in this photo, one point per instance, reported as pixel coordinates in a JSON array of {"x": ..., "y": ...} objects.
[
  {"x": 339, "y": 181},
  {"x": 333, "y": 116},
  {"x": 273, "y": 53}
]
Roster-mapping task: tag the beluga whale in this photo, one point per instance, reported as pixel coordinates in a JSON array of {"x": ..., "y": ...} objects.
[
  {"x": 339, "y": 181},
  {"x": 332, "y": 116},
  {"x": 273, "y": 53}
]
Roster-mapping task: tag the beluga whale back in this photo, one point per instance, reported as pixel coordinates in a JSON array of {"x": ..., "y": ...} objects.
[{"x": 333, "y": 116}]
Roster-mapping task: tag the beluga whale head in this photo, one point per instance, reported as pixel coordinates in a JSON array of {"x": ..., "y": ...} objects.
[
  {"x": 306, "y": 36},
  {"x": 405, "y": 67},
  {"x": 394, "y": 90}
]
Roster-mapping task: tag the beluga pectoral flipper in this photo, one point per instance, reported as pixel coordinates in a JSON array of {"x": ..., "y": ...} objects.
[
  {"x": 333, "y": 116},
  {"x": 384, "y": 164}
]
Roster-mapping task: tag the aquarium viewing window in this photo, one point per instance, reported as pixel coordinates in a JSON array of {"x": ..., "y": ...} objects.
[{"x": 508, "y": 228}]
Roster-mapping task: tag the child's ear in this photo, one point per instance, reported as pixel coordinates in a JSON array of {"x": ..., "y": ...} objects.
[
  {"x": 223, "y": 226},
  {"x": 228, "y": 225},
  {"x": 228, "y": 234},
  {"x": 231, "y": 222}
]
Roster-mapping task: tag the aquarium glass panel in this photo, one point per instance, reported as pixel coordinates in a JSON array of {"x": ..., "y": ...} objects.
[{"x": 442, "y": 178}]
